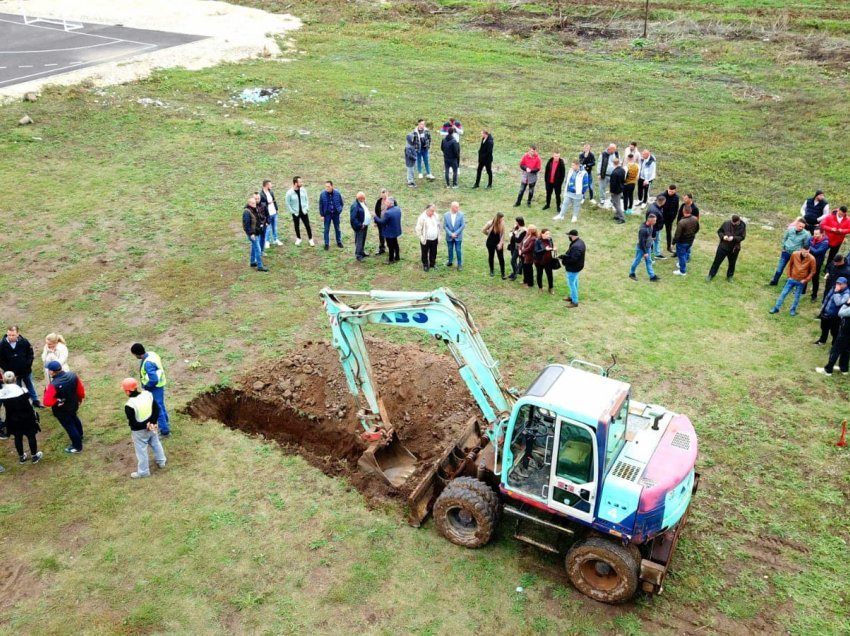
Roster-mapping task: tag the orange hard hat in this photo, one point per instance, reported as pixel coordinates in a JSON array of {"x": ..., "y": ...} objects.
[{"x": 130, "y": 384}]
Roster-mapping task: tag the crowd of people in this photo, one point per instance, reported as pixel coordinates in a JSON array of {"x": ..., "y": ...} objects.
[{"x": 64, "y": 393}]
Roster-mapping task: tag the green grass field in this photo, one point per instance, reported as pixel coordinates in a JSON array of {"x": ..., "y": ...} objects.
[{"x": 122, "y": 223}]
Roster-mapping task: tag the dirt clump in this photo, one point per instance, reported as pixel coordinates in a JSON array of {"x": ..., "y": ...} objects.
[{"x": 303, "y": 403}]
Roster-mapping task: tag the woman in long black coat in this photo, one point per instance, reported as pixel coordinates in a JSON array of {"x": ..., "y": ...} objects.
[{"x": 21, "y": 418}]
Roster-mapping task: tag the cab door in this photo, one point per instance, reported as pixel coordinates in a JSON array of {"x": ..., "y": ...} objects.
[{"x": 573, "y": 484}]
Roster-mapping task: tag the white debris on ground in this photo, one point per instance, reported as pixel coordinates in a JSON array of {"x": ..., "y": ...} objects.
[{"x": 232, "y": 33}]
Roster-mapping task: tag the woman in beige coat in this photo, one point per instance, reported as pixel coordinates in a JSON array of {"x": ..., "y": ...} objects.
[{"x": 54, "y": 349}]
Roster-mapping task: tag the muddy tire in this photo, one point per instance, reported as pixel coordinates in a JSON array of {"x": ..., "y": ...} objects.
[
  {"x": 465, "y": 517},
  {"x": 602, "y": 569},
  {"x": 478, "y": 486}
]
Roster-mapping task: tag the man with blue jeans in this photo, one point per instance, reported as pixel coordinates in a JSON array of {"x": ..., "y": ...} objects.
[
  {"x": 152, "y": 375},
  {"x": 643, "y": 250},
  {"x": 252, "y": 225},
  {"x": 573, "y": 262},
  {"x": 330, "y": 207},
  {"x": 683, "y": 239},
  {"x": 794, "y": 238},
  {"x": 423, "y": 147},
  {"x": 454, "y": 224},
  {"x": 657, "y": 210},
  {"x": 17, "y": 355},
  {"x": 801, "y": 268}
]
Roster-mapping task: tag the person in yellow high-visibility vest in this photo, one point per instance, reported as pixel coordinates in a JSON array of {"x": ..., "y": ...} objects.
[
  {"x": 152, "y": 375},
  {"x": 142, "y": 412}
]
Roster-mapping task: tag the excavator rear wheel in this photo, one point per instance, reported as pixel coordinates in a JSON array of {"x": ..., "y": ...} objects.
[
  {"x": 603, "y": 569},
  {"x": 478, "y": 486},
  {"x": 465, "y": 517}
]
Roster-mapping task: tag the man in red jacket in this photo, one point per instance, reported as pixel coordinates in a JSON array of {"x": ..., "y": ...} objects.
[
  {"x": 836, "y": 226},
  {"x": 530, "y": 165},
  {"x": 65, "y": 393}
]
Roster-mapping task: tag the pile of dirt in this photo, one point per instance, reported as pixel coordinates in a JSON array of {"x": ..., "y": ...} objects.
[{"x": 303, "y": 403}]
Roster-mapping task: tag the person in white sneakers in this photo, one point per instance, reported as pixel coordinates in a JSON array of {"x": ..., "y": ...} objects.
[
  {"x": 578, "y": 182},
  {"x": 142, "y": 412},
  {"x": 267, "y": 199},
  {"x": 646, "y": 176},
  {"x": 606, "y": 167},
  {"x": 423, "y": 147},
  {"x": 21, "y": 417},
  {"x": 298, "y": 205}
]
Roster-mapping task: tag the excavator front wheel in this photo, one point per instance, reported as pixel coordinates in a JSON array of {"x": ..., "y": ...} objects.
[
  {"x": 603, "y": 569},
  {"x": 465, "y": 517}
]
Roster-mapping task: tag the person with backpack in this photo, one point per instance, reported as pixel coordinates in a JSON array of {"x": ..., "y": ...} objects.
[{"x": 64, "y": 395}]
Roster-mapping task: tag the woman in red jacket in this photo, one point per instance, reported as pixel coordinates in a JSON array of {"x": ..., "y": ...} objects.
[{"x": 836, "y": 226}]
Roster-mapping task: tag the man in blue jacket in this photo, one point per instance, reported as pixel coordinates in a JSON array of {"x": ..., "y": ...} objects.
[
  {"x": 152, "y": 375},
  {"x": 360, "y": 217},
  {"x": 454, "y": 223},
  {"x": 390, "y": 222},
  {"x": 330, "y": 207}
]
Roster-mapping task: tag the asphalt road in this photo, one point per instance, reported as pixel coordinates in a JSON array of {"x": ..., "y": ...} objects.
[{"x": 35, "y": 51}]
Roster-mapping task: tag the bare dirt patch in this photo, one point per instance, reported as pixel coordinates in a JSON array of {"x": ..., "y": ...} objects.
[
  {"x": 303, "y": 403},
  {"x": 17, "y": 583}
]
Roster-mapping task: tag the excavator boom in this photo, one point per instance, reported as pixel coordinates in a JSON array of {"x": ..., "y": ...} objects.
[{"x": 439, "y": 313}]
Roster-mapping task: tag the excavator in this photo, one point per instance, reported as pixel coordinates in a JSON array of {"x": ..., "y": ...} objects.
[{"x": 581, "y": 468}]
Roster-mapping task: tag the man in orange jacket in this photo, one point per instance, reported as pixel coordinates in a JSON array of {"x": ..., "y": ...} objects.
[{"x": 801, "y": 268}]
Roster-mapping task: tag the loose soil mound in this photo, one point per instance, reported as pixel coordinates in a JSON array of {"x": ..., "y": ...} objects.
[{"x": 303, "y": 403}]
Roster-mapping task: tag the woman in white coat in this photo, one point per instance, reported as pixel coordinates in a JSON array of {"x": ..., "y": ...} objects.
[{"x": 54, "y": 349}]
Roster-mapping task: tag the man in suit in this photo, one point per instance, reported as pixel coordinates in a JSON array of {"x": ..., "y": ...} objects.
[
  {"x": 330, "y": 207},
  {"x": 485, "y": 159},
  {"x": 360, "y": 217},
  {"x": 554, "y": 174},
  {"x": 390, "y": 223},
  {"x": 451, "y": 158},
  {"x": 454, "y": 223}
]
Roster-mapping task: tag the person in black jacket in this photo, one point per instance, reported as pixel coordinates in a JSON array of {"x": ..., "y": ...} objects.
[
  {"x": 554, "y": 175},
  {"x": 517, "y": 237},
  {"x": 485, "y": 159},
  {"x": 732, "y": 233},
  {"x": 64, "y": 395},
  {"x": 671, "y": 211},
  {"x": 616, "y": 184},
  {"x": 838, "y": 268},
  {"x": 16, "y": 355},
  {"x": 255, "y": 231},
  {"x": 688, "y": 199},
  {"x": 21, "y": 419},
  {"x": 573, "y": 262},
  {"x": 381, "y": 206},
  {"x": 142, "y": 412},
  {"x": 451, "y": 157},
  {"x": 360, "y": 218},
  {"x": 587, "y": 159},
  {"x": 643, "y": 249}
]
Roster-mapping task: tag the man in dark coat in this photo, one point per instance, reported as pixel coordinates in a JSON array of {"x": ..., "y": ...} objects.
[
  {"x": 16, "y": 355},
  {"x": 553, "y": 176},
  {"x": 732, "y": 233},
  {"x": 839, "y": 267},
  {"x": 451, "y": 157},
  {"x": 390, "y": 223},
  {"x": 616, "y": 184},
  {"x": 485, "y": 159},
  {"x": 330, "y": 207},
  {"x": 671, "y": 211},
  {"x": 360, "y": 218},
  {"x": 573, "y": 262},
  {"x": 252, "y": 225}
]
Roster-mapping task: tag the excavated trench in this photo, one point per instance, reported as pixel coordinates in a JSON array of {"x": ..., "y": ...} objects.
[{"x": 302, "y": 403}]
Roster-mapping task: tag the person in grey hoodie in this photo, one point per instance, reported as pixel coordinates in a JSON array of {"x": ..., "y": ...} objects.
[{"x": 410, "y": 154}]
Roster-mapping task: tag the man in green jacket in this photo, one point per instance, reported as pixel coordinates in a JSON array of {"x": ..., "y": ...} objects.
[
  {"x": 794, "y": 238},
  {"x": 299, "y": 205}
]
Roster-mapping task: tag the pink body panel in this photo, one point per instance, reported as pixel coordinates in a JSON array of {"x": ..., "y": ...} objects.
[{"x": 669, "y": 464}]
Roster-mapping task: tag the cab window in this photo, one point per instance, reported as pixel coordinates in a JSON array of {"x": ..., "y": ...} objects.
[
  {"x": 616, "y": 435},
  {"x": 575, "y": 454}
]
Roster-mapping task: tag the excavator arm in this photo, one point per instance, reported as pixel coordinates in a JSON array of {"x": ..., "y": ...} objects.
[{"x": 439, "y": 313}]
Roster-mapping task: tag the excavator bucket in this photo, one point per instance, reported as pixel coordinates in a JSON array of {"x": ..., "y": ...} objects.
[
  {"x": 388, "y": 458},
  {"x": 456, "y": 460}
]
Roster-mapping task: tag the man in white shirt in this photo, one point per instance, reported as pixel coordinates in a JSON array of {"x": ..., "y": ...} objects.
[
  {"x": 428, "y": 231},
  {"x": 361, "y": 218}
]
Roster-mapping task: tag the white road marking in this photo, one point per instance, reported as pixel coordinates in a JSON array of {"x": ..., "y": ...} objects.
[
  {"x": 51, "y": 65},
  {"x": 76, "y": 64},
  {"x": 73, "y": 48},
  {"x": 25, "y": 66},
  {"x": 91, "y": 35}
]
